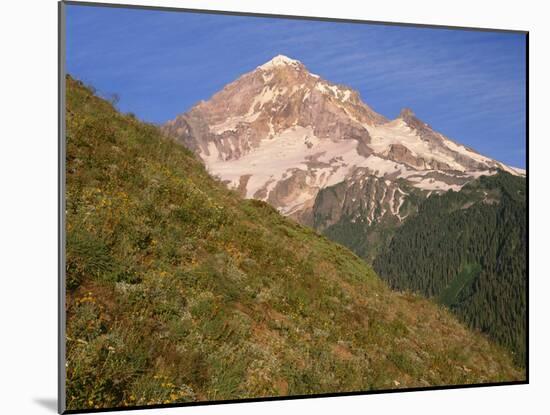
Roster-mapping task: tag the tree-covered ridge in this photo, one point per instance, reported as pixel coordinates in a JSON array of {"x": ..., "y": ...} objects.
[
  {"x": 467, "y": 249},
  {"x": 178, "y": 290}
]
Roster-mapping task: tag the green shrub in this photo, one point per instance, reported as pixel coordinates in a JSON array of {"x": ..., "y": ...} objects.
[{"x": 87, "y": 256}]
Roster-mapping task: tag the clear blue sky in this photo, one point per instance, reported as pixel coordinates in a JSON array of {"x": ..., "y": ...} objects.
[{"x": 468, "y": 85}]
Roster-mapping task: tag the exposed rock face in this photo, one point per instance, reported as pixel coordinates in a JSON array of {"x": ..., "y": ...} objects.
[
  {"x": 401, "y": 154},
  {"x": 363, "y": 198},
  {"x": 281, "y": 134}
]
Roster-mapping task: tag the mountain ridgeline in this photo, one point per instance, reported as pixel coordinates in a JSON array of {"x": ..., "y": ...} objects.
[
  {"x": 467, "y": 250},
  {"x": 179, "y": 290}
]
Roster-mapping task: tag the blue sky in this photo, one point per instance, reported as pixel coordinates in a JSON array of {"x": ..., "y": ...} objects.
[{"x": 468, "y": 85}]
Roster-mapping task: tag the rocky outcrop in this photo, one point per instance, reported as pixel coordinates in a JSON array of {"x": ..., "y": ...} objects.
[{"x": 401, "y": 154}]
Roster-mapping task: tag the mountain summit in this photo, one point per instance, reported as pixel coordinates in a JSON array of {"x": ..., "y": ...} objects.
[
  {"x": 282, "y": 134},
  {"x": 278, "y": 61}
]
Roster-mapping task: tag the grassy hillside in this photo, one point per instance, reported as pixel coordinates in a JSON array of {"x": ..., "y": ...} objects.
[
  {"x": 178, "y": 290},
  {"x": 468, "y": 250}
]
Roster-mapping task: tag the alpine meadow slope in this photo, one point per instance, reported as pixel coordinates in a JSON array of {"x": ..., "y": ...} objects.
[{"x": 179, "y": 290}]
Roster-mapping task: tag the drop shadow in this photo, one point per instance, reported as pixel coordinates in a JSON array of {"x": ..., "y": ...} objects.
[{"x": 48, "y": 403}]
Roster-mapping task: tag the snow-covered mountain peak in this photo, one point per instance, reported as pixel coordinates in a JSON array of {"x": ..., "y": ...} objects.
[
  {"x": 280, "y": 60},
  {"x": 281, "y": 134}
]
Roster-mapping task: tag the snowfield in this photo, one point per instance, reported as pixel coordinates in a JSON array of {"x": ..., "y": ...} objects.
[{"x": 327, "y": 162}]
